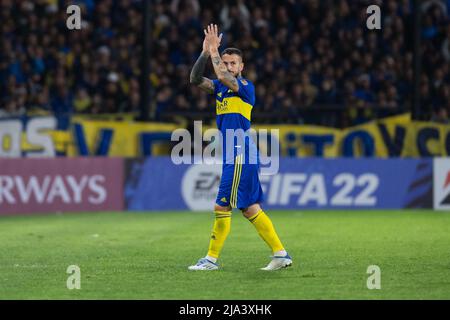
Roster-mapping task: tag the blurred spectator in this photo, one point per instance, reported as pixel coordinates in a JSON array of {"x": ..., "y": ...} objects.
[
  {"x": 441, "y": 116},
  {"x": 11, "y": 109},
  {"x": 82, "y": 101},
  {"x": 435, "y": 82}
]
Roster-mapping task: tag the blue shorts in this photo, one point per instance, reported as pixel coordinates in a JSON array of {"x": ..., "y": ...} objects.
[{"x": 239, "y": 185}]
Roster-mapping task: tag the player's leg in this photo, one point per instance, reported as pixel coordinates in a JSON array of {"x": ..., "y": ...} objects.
[
  {"x": 250, "y": 195},
  {"x": 222, "y": 222},
  {"x": 220, "y": 231},
  {"x": 266, "y": 230}
]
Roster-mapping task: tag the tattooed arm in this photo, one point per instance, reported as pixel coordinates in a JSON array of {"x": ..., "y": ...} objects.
[
  {"x": 221, "y": 70},
  {"x": 197, "y": 74}
]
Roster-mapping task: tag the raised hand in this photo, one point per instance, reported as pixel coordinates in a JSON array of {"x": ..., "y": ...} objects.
[{"x": 212, "y": 37}]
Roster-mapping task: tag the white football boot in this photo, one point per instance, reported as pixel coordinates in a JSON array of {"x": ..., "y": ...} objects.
[
  {"x": 278, "y": 263},
  {"x": 204, "y": 264}
]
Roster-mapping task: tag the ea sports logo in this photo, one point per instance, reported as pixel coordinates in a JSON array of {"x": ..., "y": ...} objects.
[{"x": 200, "y": 185}]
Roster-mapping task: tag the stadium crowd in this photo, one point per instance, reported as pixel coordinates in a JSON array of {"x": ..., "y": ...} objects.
[{"x": 301, "y": 55}]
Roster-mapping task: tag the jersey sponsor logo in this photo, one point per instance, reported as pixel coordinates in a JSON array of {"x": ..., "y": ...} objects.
[
  {"x": 234, "y": 105},
  {"x": 222, "y": 106}
]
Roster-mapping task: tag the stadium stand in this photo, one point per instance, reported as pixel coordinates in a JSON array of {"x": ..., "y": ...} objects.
[{"x": 303, "y": 58}]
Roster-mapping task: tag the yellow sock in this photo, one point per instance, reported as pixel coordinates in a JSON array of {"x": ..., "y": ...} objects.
[
  {"x": 265, "y": 228},
  {"x": 221, "y": 229}
]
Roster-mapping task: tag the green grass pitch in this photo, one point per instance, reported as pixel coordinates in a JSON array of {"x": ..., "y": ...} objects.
[{"x": 146, "y": 255}]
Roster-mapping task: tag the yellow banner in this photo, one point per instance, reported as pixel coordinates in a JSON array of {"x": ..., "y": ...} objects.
[
  {"x": 112, "y": 138},
  {"x": 397, "y": 136},
  {"x": 427, "y": 139}
]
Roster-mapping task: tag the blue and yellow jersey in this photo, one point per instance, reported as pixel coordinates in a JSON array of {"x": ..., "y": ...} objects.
[{"x": 233, "y": 111}]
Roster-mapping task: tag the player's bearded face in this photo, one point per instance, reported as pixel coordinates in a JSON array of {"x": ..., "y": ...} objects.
[{"x": 234, "y": 63}]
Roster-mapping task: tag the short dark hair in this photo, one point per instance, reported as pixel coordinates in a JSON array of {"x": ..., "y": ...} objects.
[{"x": 235, "y": 51}]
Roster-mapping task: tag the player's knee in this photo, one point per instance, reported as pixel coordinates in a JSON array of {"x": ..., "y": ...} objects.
[
  {"x": 245, "y": 213},
  {"x": 221, "y": 208},
  {"x": 251, "y": 211}
]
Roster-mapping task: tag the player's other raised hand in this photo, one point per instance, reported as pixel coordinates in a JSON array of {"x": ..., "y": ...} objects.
[{"x": 212, "y": 37}]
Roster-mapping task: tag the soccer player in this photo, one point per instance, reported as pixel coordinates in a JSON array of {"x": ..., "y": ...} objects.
[{"x": 239, "y": 186}]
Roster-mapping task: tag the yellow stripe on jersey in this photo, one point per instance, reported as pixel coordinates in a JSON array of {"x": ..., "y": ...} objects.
[
  {"x": 239, "y": 178},
  {"x": 233, "y": 187},
  {"x": 234, "y": 105},
  {"x": 236, "y": 180}
]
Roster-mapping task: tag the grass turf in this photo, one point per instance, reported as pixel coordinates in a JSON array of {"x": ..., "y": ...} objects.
[{"x": 145, "y": 256}]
